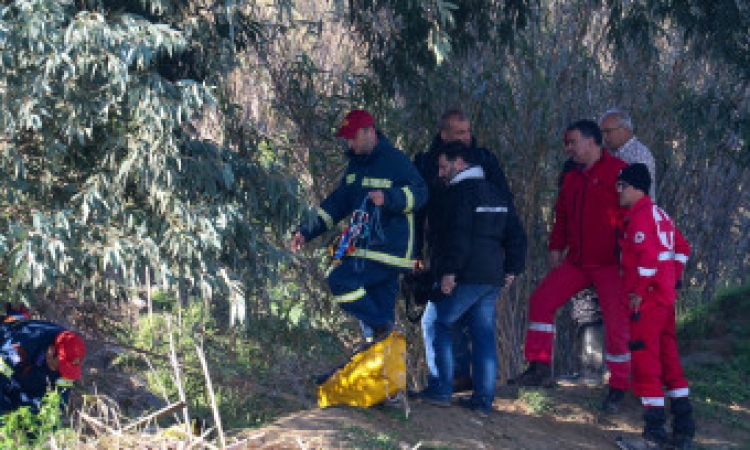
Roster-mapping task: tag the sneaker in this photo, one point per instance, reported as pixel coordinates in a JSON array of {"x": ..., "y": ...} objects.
[
  {"x": 472, "y": 404},
  {"x": 613, "y": 401},
  {"x": 537, "y": 375},
  {"x": 638, "y": 444},
  {"x": 431, "y": 399}
]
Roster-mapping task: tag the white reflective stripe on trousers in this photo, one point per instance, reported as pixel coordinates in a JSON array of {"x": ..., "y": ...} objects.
[
  {"x": 653, "y": 401},
  {"x": 543, "y": 327},
  {"x": 682, "y": 392},
  {"x": 625, "y": 357}
]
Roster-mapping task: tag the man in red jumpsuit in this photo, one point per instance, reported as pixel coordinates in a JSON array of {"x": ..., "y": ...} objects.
[
  {"x": 654, "y": 253},
  {"x": 587, "y": 215}
]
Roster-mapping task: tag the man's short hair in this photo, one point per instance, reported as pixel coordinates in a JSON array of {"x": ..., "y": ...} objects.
[
  {"x": 623, "y": 118},
  {"x": 451, "y": 114},
  {"x": 588, "y": 129},
  {"x": 453, "y": 150}
]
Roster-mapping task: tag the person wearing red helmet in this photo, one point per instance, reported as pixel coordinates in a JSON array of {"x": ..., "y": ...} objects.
[{"x": 36, "y": 356}]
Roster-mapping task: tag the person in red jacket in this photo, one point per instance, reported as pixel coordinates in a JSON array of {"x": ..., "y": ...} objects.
[
  {"x": 583, "y": 252},
  {"x": 654, "y": 253}
]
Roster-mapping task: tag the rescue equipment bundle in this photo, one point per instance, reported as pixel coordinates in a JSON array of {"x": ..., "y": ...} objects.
[
  {"x": 358, "y": 231},
  {"x": 358, "y": 228},
  {"x": 369, "y": 377}
]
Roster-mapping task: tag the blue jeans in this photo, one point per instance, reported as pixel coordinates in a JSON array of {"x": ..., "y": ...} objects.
[
  {"x": 461, "y": 352},
  {"x": 474, "y": 304}
]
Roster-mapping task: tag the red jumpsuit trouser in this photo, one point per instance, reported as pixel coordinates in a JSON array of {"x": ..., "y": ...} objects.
[
  {"x": 556, "y": 289},
  {"x": 656, "y": 362}
]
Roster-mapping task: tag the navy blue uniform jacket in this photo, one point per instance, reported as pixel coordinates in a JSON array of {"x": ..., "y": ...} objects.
[
  {"x": 24, "y": 375},
  {"x": 387, "y": 169}
]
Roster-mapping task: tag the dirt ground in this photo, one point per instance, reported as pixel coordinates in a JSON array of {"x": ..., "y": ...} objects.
[{"x": 571, "y": 422}]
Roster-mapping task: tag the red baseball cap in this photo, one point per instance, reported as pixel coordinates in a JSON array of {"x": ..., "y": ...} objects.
[
  {"x": 356, "y": 119},
  {"x": 70, "y": 352}
]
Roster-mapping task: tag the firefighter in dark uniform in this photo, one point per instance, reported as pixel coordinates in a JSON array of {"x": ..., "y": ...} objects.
[
  {"x": 382, "y": 181},
  {"x": 36, "y": 356}
]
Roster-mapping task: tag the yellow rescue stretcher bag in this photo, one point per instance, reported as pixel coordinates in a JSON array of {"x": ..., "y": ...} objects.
[{"x": 369, "y": 377}]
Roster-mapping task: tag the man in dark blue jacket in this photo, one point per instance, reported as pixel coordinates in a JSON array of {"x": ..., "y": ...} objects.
[
  {"x": 37, "y": 356},
  {"x": 381, "y": 182},
  {"x": 454, "y": 126},
  {"x": 480, "y": 246}
]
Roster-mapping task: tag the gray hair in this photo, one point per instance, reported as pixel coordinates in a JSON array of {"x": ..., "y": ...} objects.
[{"x": 622, "y": 116}]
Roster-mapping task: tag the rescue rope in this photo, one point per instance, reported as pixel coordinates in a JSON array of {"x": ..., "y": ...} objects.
[{"x": 360, "y": 231}]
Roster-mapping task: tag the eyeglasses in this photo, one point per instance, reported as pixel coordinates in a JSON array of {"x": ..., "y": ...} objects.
[
  {"x": 609, "y": 130},
  {"x": 621, "y": 185}
]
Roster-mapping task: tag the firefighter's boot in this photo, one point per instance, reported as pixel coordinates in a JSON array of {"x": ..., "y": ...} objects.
[{"x": 683, "y": 425}]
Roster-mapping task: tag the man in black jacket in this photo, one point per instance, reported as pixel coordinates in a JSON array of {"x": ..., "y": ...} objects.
[
  {"x": 454, "y": 127},
  {"x": 480, "y": 245}
]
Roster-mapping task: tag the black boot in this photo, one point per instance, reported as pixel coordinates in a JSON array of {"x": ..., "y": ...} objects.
[
  {"x": 613, "y": 401},
  {"x": 683, "y": 425},
  {"x": 655, "y": 419},
  {"x": 537, "y": 375},
  {"x": 462, "y": 384},
  {"x": 654, "y": 436}
]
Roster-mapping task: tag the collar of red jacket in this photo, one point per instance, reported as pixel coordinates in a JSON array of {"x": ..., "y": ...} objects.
[{"x": 644, "y": 202}]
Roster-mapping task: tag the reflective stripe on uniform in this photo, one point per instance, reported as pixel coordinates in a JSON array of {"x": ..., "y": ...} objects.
[
  {"x": 409, "y": 199},
  {"x": 350, "y": 296},
  {"x": 64, "y": 383},
  {"x": 666, "y": 256},
  {"x": 646, "y": 272},
  {"x": 652, "y": 401},
  {"x": 410, "y": 233},
  {"x": 491, "y": 209},
  {"x": 326, "y": 218},
  {"x": 681, "y": 258},
  {"x": 543, "y": 327},
  {"x": 682, "y": 392},
  {"x": 5, "y": 369},
  {"x": 384, "y": 258},
  {"x": 377, "y": 183},
  {"x": 621, "y": 358}
]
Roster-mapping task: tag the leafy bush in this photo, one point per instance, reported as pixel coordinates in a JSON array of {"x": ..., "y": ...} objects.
[
  {"x": 728, "y": 312},
  {"x": 21, "y": 429},
  {"x": 536, "y": 400}
]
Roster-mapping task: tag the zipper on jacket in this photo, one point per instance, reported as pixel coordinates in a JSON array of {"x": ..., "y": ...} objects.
[{"x": 583, "y": 202}]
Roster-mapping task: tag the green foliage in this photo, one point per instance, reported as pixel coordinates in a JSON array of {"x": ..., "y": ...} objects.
[
  {"x": 246, "y": 369},
  {"x": 21, "y": 429},
  {"x": 728, "y": 312},
  {"x": 406, "y": 39},
  {"x": 361, "y": 439},
  {"x": 719, "y": 388},
  {"x": 107, "y": 175},
  {"x": 536, "y": 400}
]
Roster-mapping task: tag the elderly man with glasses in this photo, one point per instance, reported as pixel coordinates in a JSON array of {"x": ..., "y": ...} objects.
[{"x": 617, "y": 133}]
